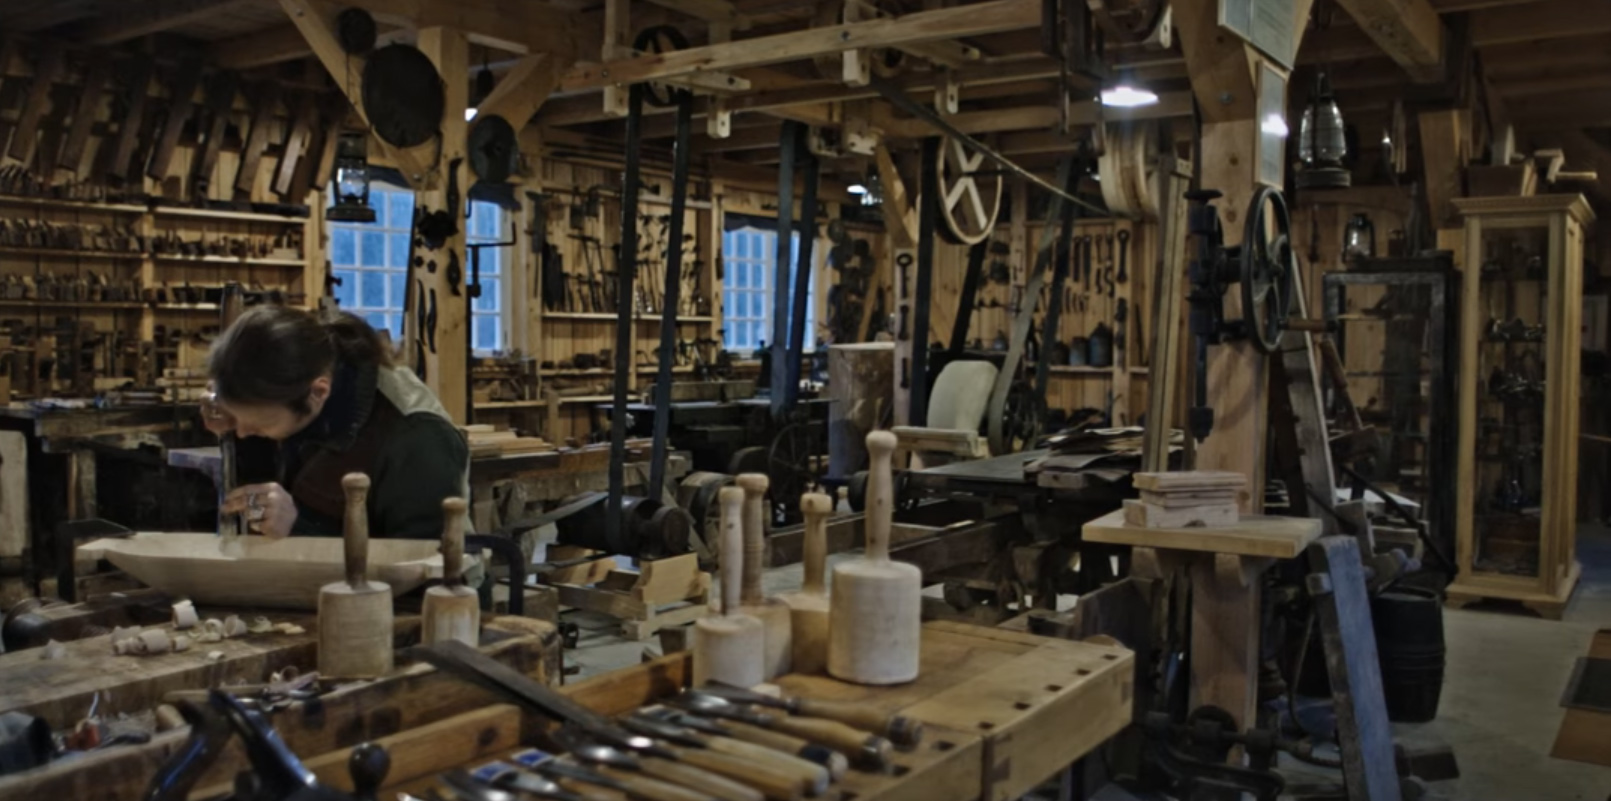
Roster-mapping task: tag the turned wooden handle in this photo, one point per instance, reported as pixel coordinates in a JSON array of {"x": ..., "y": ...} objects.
[
  {"x": 880, "y": 494},
  {"x": 809, "y": 776},
  {"x": 901, "y": 730},
  {"x": 356, "y": 531},
  {"x": 453, "y": 541},
  {"x": 754, "y": 485},
  {"x": 640, "y": 786},
  {"x": 731, "y": 501},
  {"x": 816, "y": 507},
  {"x": 789, "y": 745},
  {"x": 762, "y": 778},
  {"x": 867, "y": 750},
  {"x": 710, "y": 783}
]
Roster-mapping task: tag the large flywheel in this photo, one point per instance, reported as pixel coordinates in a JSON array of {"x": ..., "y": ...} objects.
[
  {"x": 1267, "y": 268},
  {"x": 970, "y": 193}
]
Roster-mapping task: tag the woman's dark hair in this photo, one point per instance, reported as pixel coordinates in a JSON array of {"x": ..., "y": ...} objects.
[{"x": 272, "y": 354}]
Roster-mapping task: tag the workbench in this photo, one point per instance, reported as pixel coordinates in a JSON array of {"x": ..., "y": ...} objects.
[{"x": 80, "y": 433}]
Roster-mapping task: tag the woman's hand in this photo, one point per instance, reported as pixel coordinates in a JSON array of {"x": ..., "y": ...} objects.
[
  {"x": 214, "y": 417},
  {"x": 268, "y": 508}
]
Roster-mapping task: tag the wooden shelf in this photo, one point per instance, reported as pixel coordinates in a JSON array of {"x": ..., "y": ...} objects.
[
  {"x": 588, "y": 399},
  {"x": 521, "y": 404},
  {"x": 68, "y": 304},
  {"x": 74, "y": 205},
  {"x": 1069, "y": 368},
  {"x": 73, "y": 254},
  {"x": 220, "y": 214},
  {"x": 187, "y": 306},
  {"x": 1140, "y": 370},
  {"x": 611, "y": 316},
  {"x": 608, "y": 371},
  {"x": 223, "y": 260},
  {"x": 686, "y": 319}
]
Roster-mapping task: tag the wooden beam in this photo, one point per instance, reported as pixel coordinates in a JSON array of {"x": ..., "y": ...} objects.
[
  {"x": 522, "y": 90},
  {"x": 517, "y": 27},
  {"x": 1035, "y": 117},
  {"x": 1553, "y": 84},
  {"x": 924, "y": 26},
  {"x": 316, "y": 20},
  {"x": 1533, "y": 59},
  {"x": 22, "y": 17},
  {"x": 1452, "y": 6},
  {"x": 716, "y": 11},
  {"x": 1552, "y": 19},
  {"x": 1408, "y": 31},
  {"x": 447, "y": 366},
  {"x": 1445, "y": 151},
  {"x": 1564, "y": 111},
  {"x": 260, "y": 48},
  {"x": 131, "y": 20}
]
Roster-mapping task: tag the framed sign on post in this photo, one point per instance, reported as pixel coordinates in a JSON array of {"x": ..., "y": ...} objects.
[
  {"x": 1269, "y": 25},
  {"x": 1273, "y": 129}
]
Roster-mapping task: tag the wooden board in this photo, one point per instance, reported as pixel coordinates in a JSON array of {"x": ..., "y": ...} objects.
[
  {"x": 1253, "y": 535},
  {"x": 281, "y": 574},
  {"x": 1189, "y": 480},
  {"x": 1152, "y": 515},
  {"x": 13, "y": 493},
  {"x": 1585, "y": 734}
]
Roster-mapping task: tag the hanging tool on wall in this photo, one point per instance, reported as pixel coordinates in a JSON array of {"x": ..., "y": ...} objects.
[
  {"x": 472, "y": 293},
  {"x": 1123, "y": 237}
]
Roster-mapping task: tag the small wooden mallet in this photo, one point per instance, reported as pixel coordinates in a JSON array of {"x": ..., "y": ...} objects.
[
  {"x": 808, "y": 608},
  {"x": 875, "y": 616},
  {"x": 773, "y": 613},
  {"x": 452, "y": 611},
  {"x": 355, "y": 615},
  {"x": 730, "y": 646}
]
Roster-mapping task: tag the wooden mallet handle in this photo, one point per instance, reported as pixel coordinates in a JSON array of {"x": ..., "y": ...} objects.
[
  {"x": 880, "y": 494},
  {"x": 356, "y": 531},
  {"x": 731, "y": 501},
  {"x": 816, "y": 507},
  {"x": 754, "y": 486},
  {"x": 453, "y": 541}
]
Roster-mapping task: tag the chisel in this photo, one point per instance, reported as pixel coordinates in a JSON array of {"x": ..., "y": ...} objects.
[
  {"x": 865, "y": 750},
  {"x": 750, "y": 737},
  {"x": 899, "y": 729}
]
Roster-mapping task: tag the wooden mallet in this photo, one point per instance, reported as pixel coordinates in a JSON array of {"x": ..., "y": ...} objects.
[
  {"x": 730, "y": 646},
  {"x": 808, "y": 608},
  {"x": 355, "y": 615},
  {"x": 875, "y": 613},
  {"x": 773, "y": 613},
  {"x": 452, "y": 611}
]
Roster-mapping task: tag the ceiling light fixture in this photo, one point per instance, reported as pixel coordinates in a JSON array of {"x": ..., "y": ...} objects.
[{"x": 1126, "y": 96}]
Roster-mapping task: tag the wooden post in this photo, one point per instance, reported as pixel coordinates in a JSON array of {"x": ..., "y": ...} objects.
[{"x": 445, "y": 369}]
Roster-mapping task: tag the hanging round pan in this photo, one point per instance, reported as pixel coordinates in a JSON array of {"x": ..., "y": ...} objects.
[
  {"x": 492, "y": 148},
  {"x": 403, "y": 95}
]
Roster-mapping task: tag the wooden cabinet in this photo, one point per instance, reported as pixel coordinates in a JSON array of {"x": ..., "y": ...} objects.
[{"x": 1516, "y": 511}]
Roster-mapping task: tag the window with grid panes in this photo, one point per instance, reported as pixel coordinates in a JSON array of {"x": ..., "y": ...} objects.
[
  {"x": 371, "y": 259},
  {"x": 749, "y": 256}
]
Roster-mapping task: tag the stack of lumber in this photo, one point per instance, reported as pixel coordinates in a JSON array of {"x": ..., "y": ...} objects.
[
  {"x": 1187, "y": 499},
  {"x": 486, "y": 441}
]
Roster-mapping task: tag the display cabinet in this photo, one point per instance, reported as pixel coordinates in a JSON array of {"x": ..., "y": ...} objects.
[{"x": 1522, "y": 297}]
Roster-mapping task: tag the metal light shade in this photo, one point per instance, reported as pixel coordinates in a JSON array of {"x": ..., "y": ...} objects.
[
  {"x": 1322, "y": 141},
  {"x": 352, "y": 180}
]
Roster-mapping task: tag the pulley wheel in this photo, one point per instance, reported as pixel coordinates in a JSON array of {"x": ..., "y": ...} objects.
[
  {"x": 492, "y": 148},
  {"x": 1128, "y": 21},
  {"x": 355, "y": 30},
  {"x": 1267, "y": 269},
  {"x": 403, "y": 95},
  {"x": 970, "y": 193},
  {"x": 789, "y": 469},
  {"x": 653, "y": 41},
  {"x": 697, "y": 493},
  {"x": 1025, "y": 414}
]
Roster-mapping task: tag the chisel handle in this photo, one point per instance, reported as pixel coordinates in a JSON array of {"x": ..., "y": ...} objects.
[
  {"x": 766, "y": 778},
  {"x": 643, "y": 787},
  {"x": 355, "y": 529},
  {"x": 864, "y": 750},
  {"x": 453, "y": 541},
  {"x": 812, "y": 778},
  {"x": 708, "y": 782},
  {"x": 900, "y": 730},
  {"x": 836, "y": 762},
  {"x": 754, "y": 486}
]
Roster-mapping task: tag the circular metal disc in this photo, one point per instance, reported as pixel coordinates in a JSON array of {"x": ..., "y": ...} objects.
[
  {"x": 492, "y": 148},
  {"x": 403, "y": 95}
]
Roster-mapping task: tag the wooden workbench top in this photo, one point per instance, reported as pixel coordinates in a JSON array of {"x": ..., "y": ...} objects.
[{"x": 1253, "y": 535}]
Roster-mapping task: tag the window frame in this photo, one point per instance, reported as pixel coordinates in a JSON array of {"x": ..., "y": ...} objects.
[{"x": 738, "y": 260}]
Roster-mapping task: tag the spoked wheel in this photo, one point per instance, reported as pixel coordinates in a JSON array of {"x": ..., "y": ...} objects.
[
  {"x": 661, "y": 39},
  {"x": 791, "y": 470},
  {"x": 1025, "y": 415},
  {"x": 970, "y": 193},
  {"x": 1267, "y": 269}
]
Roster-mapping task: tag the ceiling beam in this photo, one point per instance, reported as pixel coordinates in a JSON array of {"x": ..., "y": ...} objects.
[
  {"x": 132, "y": 19},
  {"x": 518, "y": 27},
  {"x": 1408, "y": 31},
  {"x": 923, "y": 26},
  {"x": 522, "y": 90},
  {"x": 1551, "y": 19},
  {"x": 1043, "y": 117},
  {"x": 1554, "y": 84},
  {"x": 23, "y": 17},
  {"x": 719, "y": 12},
  {"x": 1554, "y": 112},
  {"x": 1452, "y": 6},
  {"x": 1532, "y": 59}
]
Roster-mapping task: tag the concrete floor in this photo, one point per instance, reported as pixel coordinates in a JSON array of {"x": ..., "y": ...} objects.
[{"x": 1501, "y": 697}]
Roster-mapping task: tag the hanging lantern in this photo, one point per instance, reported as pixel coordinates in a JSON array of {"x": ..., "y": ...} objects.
[
  {"x": 352, "y": 179},
  {"x": 1322, "y": 141}
]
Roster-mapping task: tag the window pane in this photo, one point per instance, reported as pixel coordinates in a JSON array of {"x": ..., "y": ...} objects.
[
  {"x": 399, "y": 209},
  {"x": 375, "y": 319},
  {"x": 488, "y": 302},
  {"x": 372, "y": 249},
  {"x": 486, "y": 333},
  {"x": 347, "y": 289},
  {"x": 395, "y": 298},
  {"x": 398, "y": 257},
  {"x": 343, "y": 247},
  {"x": 372, "y": 289}
]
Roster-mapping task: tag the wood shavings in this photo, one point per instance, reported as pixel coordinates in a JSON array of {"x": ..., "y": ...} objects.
[
  {"x": 53, "y": 650},
  {"x": 214, "y": 656},
  {"x": 289, "y": 628},
  {"x": 184, "y": 615},
  {"x": 181, "y": 643},
  {"x": 234, "y": 626},
  {"x": 260, "y": 625}
]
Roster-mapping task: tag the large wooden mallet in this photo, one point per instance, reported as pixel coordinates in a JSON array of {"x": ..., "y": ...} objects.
[
  {"x": 808, "y": 608},
  {"x": 730, "y": 646},
  {"x": 355, "y": 615},
  {"x": 452, "y": 611},
  {"x": 773, "y": 613},
  {"x": 875, "y": 613}
]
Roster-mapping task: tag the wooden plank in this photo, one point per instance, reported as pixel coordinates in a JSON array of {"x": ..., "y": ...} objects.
[
  {"x": 1152, "y": 515},
  {"x": 1554, "y": 19},
  {"x": 1253, "y": 535},
  {"x": 181, "y": 103},
  {"x": 128, "y": 129},
  {"x": 1189, "y": 480},
  {"x": 48, "y": 69},
  {"x": 446, "y": 367},
  {"x": 265, "y": 100},
  {"x": 296, "y": 145},
  {"x": 522, "y": 90},
  {"x": 996, "y": 16},
  {"x": 86, "y": 109},
  {"x": 416, "y": 696},
  {"x": 14, "y": 525},
  {"x": 125, "y": 21},
  {"x": 1408, "y": 31},
  {"x": 1225, "y": 627}
]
